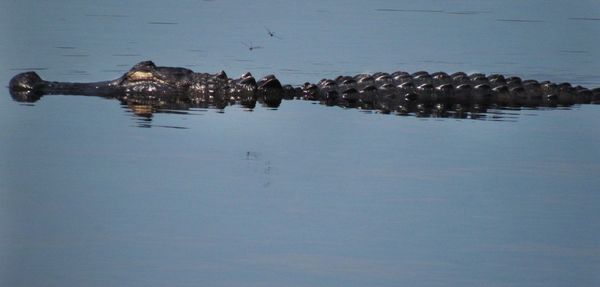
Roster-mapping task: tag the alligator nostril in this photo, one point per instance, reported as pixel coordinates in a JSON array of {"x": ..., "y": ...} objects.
[
  {"x": 25, "y": 81},
  {"x": 25, "y": 87}
]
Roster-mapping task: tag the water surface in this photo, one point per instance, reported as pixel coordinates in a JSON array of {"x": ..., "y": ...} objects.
[{"x": 92, "y": 194}]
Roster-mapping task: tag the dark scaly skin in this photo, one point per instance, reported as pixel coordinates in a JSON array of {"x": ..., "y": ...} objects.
[
  {"x": 400, "y": 92},
  {"x": 439, "y": 92}
]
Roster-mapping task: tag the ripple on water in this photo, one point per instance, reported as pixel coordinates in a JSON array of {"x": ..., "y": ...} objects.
[
  {"x": 75, "y": 55},
  {"x": 162, "y": 23},
  {"x": 28, "y": 69},
  {"x": 107, "y": 15},
  {"x": 574, "y": 51},
  {"x": 126, "y": 55},
  {"x": 468, "y": 12},
  {"x": 455, "y": 12},
  {"x": 77, "y": 72},
  {"x": 112, "y": 71},
  {"x": 520, "y": 20},
  {"x": 584, "y": 19},
  {"x": 409, "y": 10}
]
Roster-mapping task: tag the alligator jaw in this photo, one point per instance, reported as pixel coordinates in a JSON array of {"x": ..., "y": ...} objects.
[{"x": 29, "y": 87}]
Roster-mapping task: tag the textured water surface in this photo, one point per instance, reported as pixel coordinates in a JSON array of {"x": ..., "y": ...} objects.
[{"x": 94, "y": 193}]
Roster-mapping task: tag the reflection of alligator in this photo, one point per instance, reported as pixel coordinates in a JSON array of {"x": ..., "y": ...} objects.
[{"x": 400, "y": 92}]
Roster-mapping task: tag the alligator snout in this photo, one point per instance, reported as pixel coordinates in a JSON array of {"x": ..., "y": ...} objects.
[
  {"x": 28, "y": 81},
  {"x": 25, "y": 87}
]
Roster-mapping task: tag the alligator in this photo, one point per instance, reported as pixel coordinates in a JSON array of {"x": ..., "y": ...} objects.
[{"x": 420, "y": 93}]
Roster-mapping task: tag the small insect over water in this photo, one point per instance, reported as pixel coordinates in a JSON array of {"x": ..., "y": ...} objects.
[
  {"x": 271, "y": 33},
  {"x": 250, "y": 46}
]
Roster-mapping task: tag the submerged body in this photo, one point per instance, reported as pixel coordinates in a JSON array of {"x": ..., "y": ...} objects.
[{"x": 399, "y": 92}]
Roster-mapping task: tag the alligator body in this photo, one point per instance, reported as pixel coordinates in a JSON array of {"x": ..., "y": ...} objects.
[{"x": 399, "y": 92}]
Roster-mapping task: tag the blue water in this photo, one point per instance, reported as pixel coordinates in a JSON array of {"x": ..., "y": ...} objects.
[{"x": 304, "y": 195}]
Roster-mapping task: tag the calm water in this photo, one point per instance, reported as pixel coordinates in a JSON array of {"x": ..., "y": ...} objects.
[{"x": 305, "y": 195}]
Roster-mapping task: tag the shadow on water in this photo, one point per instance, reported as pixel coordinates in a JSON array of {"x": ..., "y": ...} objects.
[
  {"x": 144, "y": 115},
  {"x": 144, "y": 112}
]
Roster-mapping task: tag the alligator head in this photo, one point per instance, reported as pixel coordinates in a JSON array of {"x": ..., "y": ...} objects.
[
  {"x": 146, "y": 83},
  {"x": 144, "y": 78}
]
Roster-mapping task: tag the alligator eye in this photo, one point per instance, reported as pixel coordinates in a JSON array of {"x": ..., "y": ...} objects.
[{"x": 135, "y": 76}]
